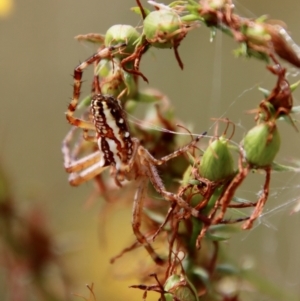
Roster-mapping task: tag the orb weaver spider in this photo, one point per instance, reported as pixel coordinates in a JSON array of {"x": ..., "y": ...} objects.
[{"x": 128, "y": 159}]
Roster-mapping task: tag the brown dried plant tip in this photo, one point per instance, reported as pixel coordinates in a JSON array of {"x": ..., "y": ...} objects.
[{"x": 280, "y": 101}]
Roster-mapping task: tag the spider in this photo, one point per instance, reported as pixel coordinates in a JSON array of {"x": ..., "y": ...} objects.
[{"x": 128, "y": 159}]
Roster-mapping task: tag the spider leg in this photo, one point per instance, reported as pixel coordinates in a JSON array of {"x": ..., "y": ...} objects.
[
  {"x": 137, "y": 217},
  {"x": 70, "y": 164},
  {"x": 232, "y": 187},
  {"x": 80, "y": 123},
  {"x": 160, "y": 188},
  {"x": 66, "y": 145},
  {"x": 144, "y": 153},
  {"x": 87, "y": 137},
  {"x": 133, "y": 246},
  {"x": 83, "y": 163},
  {"x": 205, "y": 226},
  {"x": 103, "y": 53},
  {"x": 261, "y": 202},
  {"x": 149, "y": 161},
  {"x": 87, "y": 174},
  {"x": 234, "y": 221},
  {"x": 136, "y": 57},
  {"x": 83, "y": 169},
  {"x": 169, "y": 214}
]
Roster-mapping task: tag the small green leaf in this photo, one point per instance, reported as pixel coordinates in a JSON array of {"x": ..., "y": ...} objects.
[
  {"x": 203, "y": 275},
  {"x": 190, "y": 18},
  {"x": 264, "y": 91},
  {"x": 294, "y": 86},
  {"x": 227, "y": 269},
  {"x": 137, "y": 10},
  {"x": 215, "y": 237},
  {"x": 279, "y": 167}
]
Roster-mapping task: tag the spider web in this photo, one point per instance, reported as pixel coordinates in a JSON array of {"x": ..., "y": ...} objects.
[
  {"x": 272, "y": 246},
  {"x": 226, "y": 87}
]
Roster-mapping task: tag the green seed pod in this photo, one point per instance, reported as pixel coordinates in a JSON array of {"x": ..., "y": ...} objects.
[
  {"x": 118, "y": 34},
  {"x": 217, "y": 161},
  {"x": 116, "y": 80},
  {"x": 181, "y": 288},
  {"x": 162, "y": 27},
  {"x": 113, "y": 85},
  {"x": 261, "y": 145}
]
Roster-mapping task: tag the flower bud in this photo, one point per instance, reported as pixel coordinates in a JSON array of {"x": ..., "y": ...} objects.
[
  {"x": 162, "y": 27},
  {"x": 217, "y": 161},
  {"x": 180, "y": 288},
  {"x": 261, "y": 144},
  {"x": 257, "y": 34},
  {"x": 118, "y": 34}
]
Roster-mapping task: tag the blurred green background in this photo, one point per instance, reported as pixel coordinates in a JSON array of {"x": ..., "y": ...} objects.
[{"x": 37, "y": 57}]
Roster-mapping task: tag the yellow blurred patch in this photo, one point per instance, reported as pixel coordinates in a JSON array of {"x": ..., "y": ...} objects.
[{"x": 6, "y": 7}]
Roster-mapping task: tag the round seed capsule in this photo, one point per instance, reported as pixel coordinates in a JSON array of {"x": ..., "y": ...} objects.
[
  {"x": 217, "y": 161},
  {"x": 118, "y": 34},
  {"x": 180, "y": 289},
  {"x": 113, "y": 85},
  {"x": 261, "y": 145},
  {"x": 160, "y": 28}
]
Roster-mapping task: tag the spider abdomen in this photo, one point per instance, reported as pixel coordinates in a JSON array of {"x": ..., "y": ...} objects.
[{"x": 114, "y": 139}]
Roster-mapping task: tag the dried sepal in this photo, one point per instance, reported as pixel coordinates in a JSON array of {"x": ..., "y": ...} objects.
[
  {"x": 95, "y": 38},
  {"x": 283, "y": 44}
]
